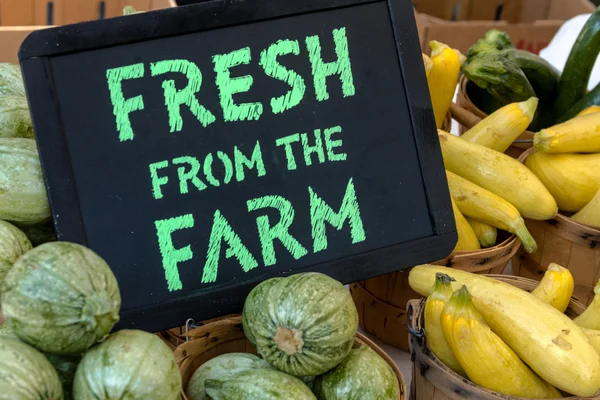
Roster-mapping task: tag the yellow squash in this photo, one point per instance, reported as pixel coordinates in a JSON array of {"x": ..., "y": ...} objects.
[
  {"x": 590, "y": 213},
  {"x": 573, "y": 179},
  {"x": 589, "y": 110},
  {"x": 428, "y": 64},
  {"x": 486, "y": 359},
  {"x": 467, "y": 240},
  {"x": 594, "y": 336},
  {"x": 590, "y": 318},
  {"x": 442, "y": 78},
  {"x": 486, "y": 234},
  {"x": 500, "y": 174},
  {"x": 436, "y": 301},
  {"x": 556, "y": 287},
  {"x": 577, "y": 135},
  {"x": 503, "y": 126},
  {"x": 483, "y": 205},
  {"x": 553, "y": 345}
]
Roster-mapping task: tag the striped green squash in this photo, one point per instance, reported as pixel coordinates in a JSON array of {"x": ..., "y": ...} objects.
[
  {"x": 363, "y": 375},
  {"x": 13, "y": 244},
  {"x": 15, "y": 119},
  {"x": 61, "y": 298},
  {"x": 305, "y": 324},
  {"x": 259, "y": 384},
  {"x": 221, "y": 367},
  {"x": 131, "y": 365},
  {"x": 11, "y": 80},
  {"x": 23, "y": 198},
  {"x": 25, "y": 374},
  {"x": 252, "y": 306}
]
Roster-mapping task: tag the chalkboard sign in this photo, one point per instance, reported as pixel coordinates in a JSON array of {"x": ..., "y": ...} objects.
[{"x": 203, "y": 149}]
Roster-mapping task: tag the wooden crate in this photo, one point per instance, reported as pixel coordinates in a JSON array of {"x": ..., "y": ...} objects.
[{"x": 61, "y": 12}]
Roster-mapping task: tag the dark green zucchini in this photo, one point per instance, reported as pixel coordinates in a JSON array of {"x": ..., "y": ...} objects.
[
  {"x": 540, "y": 73},
  {"x": 592, "y": 98},
  {"x": 576, "y": 74}
]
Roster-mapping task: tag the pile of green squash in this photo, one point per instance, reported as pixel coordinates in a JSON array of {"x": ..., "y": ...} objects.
[{"x": 303, "y": 327}]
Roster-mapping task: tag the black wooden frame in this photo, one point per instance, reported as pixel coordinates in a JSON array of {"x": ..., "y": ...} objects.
[{"x": 41, "y": 46}]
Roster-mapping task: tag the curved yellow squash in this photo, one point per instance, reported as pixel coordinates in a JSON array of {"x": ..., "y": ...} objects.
[
  {"x": 500, "y": 174},
  {"x": 467, "y": 240},
  {"x": 486, "y": 359},
  {"x": 556, "y": 287},
  {"x": 486, "y": 233},
  {"x": 590, "y": 213},
  {"x": 573, "y": 179},
  {"x": 553, "y": 345},
  {"x": 577, "y": 135},
  {"x": 436, "y": 301},
  {"x": 442, "y": 78},
  {"x": 476, "y": 202},
  {"x": 591, "y": 316}
]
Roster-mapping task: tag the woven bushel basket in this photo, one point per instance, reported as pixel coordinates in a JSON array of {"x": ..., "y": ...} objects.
[
  {"x": 432, "y": 380},
  {"x": 226, "y": 335},
  {"x": 381, "y": 301},
  {"x": 567, "y": 243}
]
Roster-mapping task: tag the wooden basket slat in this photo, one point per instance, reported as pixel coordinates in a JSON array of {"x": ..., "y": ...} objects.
[
  {"x": 226, "y": 335},
  {"x": 432, "y": 380}
]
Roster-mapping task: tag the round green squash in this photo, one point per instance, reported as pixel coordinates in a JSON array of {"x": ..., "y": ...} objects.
[
  {"x": 363, "y": 375},
  {"x": 61, "y": 298},
  {"x": 23, "y": 198},
  {"x": 259, "y": 384},
  {"x": 15, "y": 119},
  {"x": 221, "y": 367},
  {"x": 11, "y": 80},
  {"x": 253, "y": 305},
  {"x": 130, "y": 364},
  {"x": 25, "y": 374},
  {"x": 13, "y": 244},
  {"x": 306, "y": 324}
]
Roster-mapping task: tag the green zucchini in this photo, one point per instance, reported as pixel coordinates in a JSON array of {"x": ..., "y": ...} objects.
[
  {"x": 491, "y": 41},
  {"x": 576, "y": 74},
  {"x": 592, "y": 98},
  {"x": 540, "y": 73}
]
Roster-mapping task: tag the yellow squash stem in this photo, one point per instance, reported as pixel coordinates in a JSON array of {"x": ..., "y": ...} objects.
[
  {"x": 590, "y": 213},
  {"x": 467, "y": 240},
  {"x": 556, "y": 287},
  {"x": 428, "y": 64},
  {"x": 485, "y": 358},
  {"x": 442, "y": 79},
  {"x": 590, "y": 318},
  {"x": 589, "y": 110},
  {"x": 500, "y": 174},
  {"x": 436, "y": 301},
  {"x": 548, "y": 341},
  {"x": 481, "y": 204},
  {"x": 501, "y": 128},
  {"x": 486, "y": 234},
  {"x": 577, "y": 135}
]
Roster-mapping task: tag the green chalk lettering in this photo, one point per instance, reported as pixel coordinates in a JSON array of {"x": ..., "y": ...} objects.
[
  {"x": 289, "y": 154},
  {"x": 121, "y": 107},
  {"x": 229, "y": 86},
  {"x": 228, "y": 166},
  {"x": 317, "y": 148},
  {"x": 268, "y": 60},
  {"x": 321, "y": 212},
  {"x": 322, "y": 70},
  {"x": 174, "y": 98},
  {"x": 189, "y": 176},
  {"x": 241, "y": 161},
  {"x": 208, "y": 172},
  {"x": 331, "y": 144},
  {"x": 170, "y": 255},
  {"x": 222, "y": 231},
  {"x": 158, "y": 181},
  {"x": 280, "y": 230}
]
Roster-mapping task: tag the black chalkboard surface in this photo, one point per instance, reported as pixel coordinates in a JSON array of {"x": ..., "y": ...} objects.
[{"x": 203, "y": 149}]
